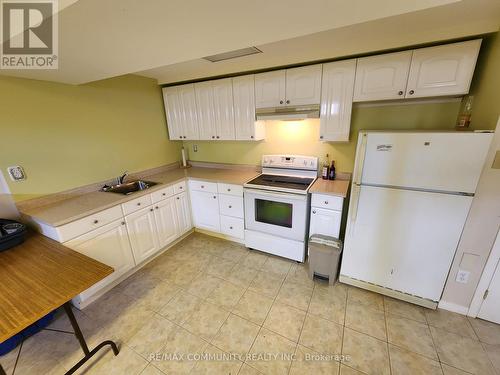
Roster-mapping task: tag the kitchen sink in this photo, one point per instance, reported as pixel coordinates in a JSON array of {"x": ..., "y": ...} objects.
[{"x": 128, "y": 187}]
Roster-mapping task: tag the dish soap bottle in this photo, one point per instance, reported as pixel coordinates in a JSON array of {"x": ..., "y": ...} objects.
[
  {"x": 331, "y": 174},
  {"x": 325, "y": 169}
]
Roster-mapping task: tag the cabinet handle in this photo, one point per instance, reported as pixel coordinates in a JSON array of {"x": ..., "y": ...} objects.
[
  {"x": 320, "y": 137},
  {"x": 123, "y": 223},
  {"x": 400, "y": 92},
  {"x": 230, "y": 206},
  {"x": 213, "y": 136},
  {"x": 156, "y": 207},
  {"x": 163, "y": 194},
  {"x": 180, "y": 136},
  {"x": 139, "y": 203},
  {"x": 181, "y": 187},
  {"x": 96, "y": 221},
  {"x": 230, "y": 227},
  {"x": 281, "y": 101},
  {"x": 177, "y": 198},
  {"x": 314, "y": 211},
  {"x": 203, "y": 186},
  {"x": 288, "y": 102},
  {"x": 215, "y": 197},
  {"x": 151, "y": 209},
  {"x": 326, "y": 202},
  {"x": 228, "y": 189},
  {"x": 217, "y": 137},
  {"x": 412, "y": 92},
  {"x": 184, "y": 137},
  {"x": 251, "y": 136}
]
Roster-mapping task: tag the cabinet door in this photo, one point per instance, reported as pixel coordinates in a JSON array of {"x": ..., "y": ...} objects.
[
  {"x": 205, "y": 208},
  {"x": 336, "y": 100},
  {"x": 173, "y": 110},
  {"x": 244, "y": 107},
  {"x": 325, "y": 222},
  {"x": 166, "y": 221},
  {"x": 183, "y": 213},
  {"x": 223, "y": 108},
  {"x": 109, "y": 245},
  {"x": 442, "y": 70},
  {"x": 142, "y": 232},
  {"x": 205, "y": 110},
  {"x": 270, "y": 89},
  {"x": 189, "y": 118},
  {"x": 382, "y": 77},
  {"x": 303, "y": 85}
]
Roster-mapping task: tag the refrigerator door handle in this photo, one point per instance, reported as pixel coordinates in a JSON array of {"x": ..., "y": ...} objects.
[
  {"x": 354, "y": 206},
  {"x": 360, "y": 158}
]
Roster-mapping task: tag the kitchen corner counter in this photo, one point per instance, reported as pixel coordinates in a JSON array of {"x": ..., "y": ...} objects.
[
  {"x": 337, "y": 188},
  {"x": 79, "y": 206}
]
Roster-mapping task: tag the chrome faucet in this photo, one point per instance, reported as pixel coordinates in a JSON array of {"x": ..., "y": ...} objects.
[{"x": 120, "y": 180}]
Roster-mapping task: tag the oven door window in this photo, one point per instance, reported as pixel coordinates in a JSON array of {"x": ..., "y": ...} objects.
[{"x": 275, "y": 213}]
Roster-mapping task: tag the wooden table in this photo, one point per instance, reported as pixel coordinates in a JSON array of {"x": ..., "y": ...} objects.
[{"x": 39, "y": 276}]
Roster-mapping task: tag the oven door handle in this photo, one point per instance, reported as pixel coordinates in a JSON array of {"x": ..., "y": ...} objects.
[{"x": 297, "y": 197}]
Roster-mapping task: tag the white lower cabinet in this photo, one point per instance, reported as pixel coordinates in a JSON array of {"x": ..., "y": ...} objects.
[
  {"x": 108, "y": 244},
  {"x": 183, "y": 213},
  {"x": 325, "y": 222},
  {"x": 141, "y": 228},
  {"x": 232, "y": 226},
  {"x": 205, "y": 208},
  {"x": 167, "y": 225}
]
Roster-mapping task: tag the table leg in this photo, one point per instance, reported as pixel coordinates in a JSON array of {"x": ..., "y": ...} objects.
[
  {"x": 2, "y": 371},
  {"x": 79, "y": 335}
]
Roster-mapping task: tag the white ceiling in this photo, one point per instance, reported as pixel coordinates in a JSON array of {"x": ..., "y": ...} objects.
[{"x": 164, "y": 39}]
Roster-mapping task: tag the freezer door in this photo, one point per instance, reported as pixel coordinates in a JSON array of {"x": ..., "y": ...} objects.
[
  {"x": 429, "y": 161},
  {"x": 403, "y": 240}
]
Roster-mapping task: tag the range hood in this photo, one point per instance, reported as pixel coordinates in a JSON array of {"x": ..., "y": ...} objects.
[{"x": 288, "y": 113}]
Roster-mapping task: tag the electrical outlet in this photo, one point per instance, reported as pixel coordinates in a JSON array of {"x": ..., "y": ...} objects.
[
  {"x": 195, "y": 148},
  {"x": 16, "y": 173},
  {"x": 462, "y": 276}
]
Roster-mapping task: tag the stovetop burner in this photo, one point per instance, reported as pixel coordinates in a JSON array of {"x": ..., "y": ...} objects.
[{"x": 287, "y": 182}]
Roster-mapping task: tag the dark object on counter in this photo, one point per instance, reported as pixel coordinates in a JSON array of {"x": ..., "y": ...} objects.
[
  {"x": 331, "y": 172},
  {"x": 12, "y": 233}
]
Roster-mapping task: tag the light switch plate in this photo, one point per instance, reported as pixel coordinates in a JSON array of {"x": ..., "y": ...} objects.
[{"x": 16, "y": 173}]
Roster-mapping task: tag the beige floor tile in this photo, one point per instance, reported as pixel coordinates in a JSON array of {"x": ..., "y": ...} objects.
[
  {"x": 451, "y": 322},
  {"x": 157, "y": 297},
  {"x": 127, "y": 361},
  {"x": 266, "y": 283},
  {"x": 216, "y": 362},
  {"x": 220, "y": 267},
  {"x": 180, "y": 308},
  {"x": 298, "y": 274},
  {"x": 271, "y": 353},
  {"x": 493, "y": 352},
  {"x": 233, "y": 251},
  {"x": 366, "y": 320},
  {"x": 175, "y": 354},
  {"x": 404, "y": 362},
  {"x": 337, "y": 289},
  {"x": 236, "y": 335},
  {"x": 309, "y": 362},
  {"x": 328, "y": 305},
  {"x": 151, "y": 370},
  {"x": 487, "y": 332},
  {"x": 411, "y": 335},
  {"x": 253, "y": 306},
  {"x": 461, "y": 352},
  {"x": 285, "y": 320},
  {"x": 151, "y": 337},
  {"x": 404, "y": 309},
  {"x": 241, "y": 275},
  {"x": 296, "y": 295},
  {"x": 276, "y": 265},
  {"x": 345, "y": 370},
  {"x": 247, "y": 370},
  {"x": 254, "y": 259},
  {"x": 366, "y": 298},
  {"x": 206, "y": 320},
  {"x": 226, "y": 294},
  {"x": 182, "y": 275},
  {"x": 203, "y": 285},
  {"x": 449, "y": 370},
  {"x": 366, "y": 353},
  {"x": 137, "y": 284},
  {"x": 321, "y": 335}
]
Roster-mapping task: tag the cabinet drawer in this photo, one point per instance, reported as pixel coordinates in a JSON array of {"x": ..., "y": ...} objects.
[
  {"x": 180, "y": 187},
  {"x": 232, "y": 226},
  {"x": 162, "y": 194},
  {"x": 88, "y": 223},
  {"x": 197, "y": 185},
  {"x": 327, "y": 201},
  {"x": 230, "y": 189},
  {"x": 136, "y": 204},
  {"x": 230, "y": 205}
]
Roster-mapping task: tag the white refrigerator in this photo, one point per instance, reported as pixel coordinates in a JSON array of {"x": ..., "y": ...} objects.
[{"x": 410, "y": 197}]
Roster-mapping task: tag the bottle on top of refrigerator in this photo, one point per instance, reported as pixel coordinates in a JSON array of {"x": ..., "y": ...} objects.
[
  {"x": 331, "y": 173},
  {"x": 325, "y": 169},
  {"x": 463, "y": 120}
]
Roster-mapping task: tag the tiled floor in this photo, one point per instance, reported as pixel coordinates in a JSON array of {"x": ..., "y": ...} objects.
[{"x": 216, "y": 308}]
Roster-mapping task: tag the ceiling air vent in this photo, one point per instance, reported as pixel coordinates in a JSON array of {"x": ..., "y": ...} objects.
[{"x": 233, "y": 54}]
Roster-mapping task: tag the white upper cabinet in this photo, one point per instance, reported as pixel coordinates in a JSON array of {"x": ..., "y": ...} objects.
[
  {"x": 205, "y": 110},
  {"x": 336, "y": 100},
  {"x": 270, "y": 89},
  {"x": 382, "y": 77},
  {"x": 223, "y": 108},
  {"x": 180, "y": 105},
  {"x": 442, "y": 70},
  {"x": 303, "y": 85},
  {"x": 245, "y": 126}
]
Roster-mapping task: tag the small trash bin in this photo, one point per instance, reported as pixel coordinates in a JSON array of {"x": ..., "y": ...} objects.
[{"x": 324, "y": 256}]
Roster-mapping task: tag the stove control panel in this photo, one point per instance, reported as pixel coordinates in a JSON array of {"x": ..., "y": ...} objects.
[{"x": 290, "y": 162}]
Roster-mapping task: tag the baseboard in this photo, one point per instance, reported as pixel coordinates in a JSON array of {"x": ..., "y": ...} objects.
[
  {"x": 453, "y": 307},
  {"x": 220, "y": 235}
]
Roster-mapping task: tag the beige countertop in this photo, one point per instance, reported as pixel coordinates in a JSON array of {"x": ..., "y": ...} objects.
[
  {"x": 74, "y": 208},
  {"x": 330, "y": 187}
]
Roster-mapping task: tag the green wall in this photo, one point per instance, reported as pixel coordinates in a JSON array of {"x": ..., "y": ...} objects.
[
  {"x": 67, "y": 136},
  {"x": 302, "y": 137}
]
